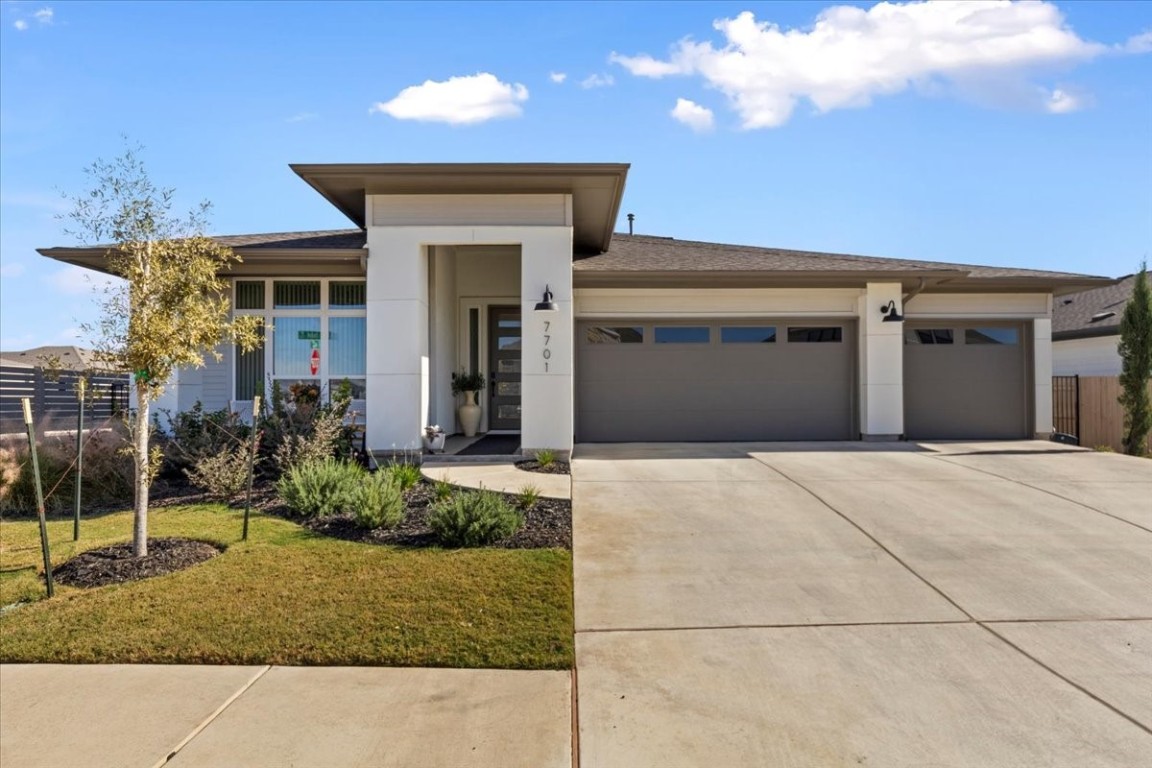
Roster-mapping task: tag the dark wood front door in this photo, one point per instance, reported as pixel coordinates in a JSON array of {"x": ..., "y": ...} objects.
[{"x": 504, "y": 345}]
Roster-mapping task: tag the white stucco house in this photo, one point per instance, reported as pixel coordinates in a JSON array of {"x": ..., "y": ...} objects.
[
  {"x": 640, "y": 338},
  {"x": 1086, "y": 330}
]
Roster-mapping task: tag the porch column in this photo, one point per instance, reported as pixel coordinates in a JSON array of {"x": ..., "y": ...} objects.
[
  {"x": 1042, "y": 377},
  {"x": 397, "y": 338},
  {"x": 547, "y": 366},
  {"x": 882, "y": 365}
]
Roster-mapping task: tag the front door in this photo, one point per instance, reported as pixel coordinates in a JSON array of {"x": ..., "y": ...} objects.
[{"x": 504, "y": 345}]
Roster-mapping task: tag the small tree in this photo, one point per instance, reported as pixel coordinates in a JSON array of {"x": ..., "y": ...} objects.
[
  {"x": 1136, "y": 365},
  {"x": 172, "y": 308}
]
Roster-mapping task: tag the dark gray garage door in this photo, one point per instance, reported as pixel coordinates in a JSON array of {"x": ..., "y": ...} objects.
[
  {"x": 965, "y": 381},
  {"x": 712, "y": 380}
]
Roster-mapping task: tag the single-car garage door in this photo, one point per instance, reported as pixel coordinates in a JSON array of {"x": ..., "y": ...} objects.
[
  {"x": 714, "y": 380},
  {"x": 965, "y": 381}
]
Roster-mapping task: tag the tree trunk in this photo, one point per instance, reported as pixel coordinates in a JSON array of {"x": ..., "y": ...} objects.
[{"x": 143, "y": 471}]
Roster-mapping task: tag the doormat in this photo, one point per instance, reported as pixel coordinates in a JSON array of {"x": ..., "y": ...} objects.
[{"x": 493, "y": 445}]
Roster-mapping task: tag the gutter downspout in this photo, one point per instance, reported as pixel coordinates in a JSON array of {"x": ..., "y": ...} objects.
[{"x": 915, "y": 291}]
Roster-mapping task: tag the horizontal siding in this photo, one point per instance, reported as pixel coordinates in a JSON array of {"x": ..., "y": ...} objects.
[
  {"x": 216, "y": 385},
  {"x": 687, "y": 302},
  {"x": 468, "y": 210},
  {"x": 1086, "y": 357},
  {"x": 929, "y": 305}
]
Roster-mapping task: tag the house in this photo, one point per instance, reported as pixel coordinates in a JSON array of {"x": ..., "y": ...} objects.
[
  {"x": 1086, "y": 330},
  {"x": 586, "y": 335}
]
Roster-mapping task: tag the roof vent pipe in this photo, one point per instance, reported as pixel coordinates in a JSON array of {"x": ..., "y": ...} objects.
[{"x": 631, "y": 218}]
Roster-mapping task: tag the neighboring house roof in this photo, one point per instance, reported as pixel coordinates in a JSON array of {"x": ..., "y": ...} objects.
[
  {"x": 633, "y": 259},
  {"x": 65, "y": 358},
  {"x": 1095, "y": 312}
]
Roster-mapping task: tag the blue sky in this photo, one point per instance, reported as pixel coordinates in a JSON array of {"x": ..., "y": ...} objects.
[{"x": 1008, "y": 135}]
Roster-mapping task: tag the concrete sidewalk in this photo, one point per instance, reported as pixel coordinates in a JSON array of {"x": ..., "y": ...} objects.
[
  {"x": 185, "y": 716},
  {"x": 502, "y": 476}
]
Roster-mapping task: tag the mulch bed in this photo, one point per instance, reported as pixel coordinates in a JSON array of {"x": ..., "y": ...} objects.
[
  {"x": 116, "y": 565},
  {"x": 547, "y": 524},
  {"x": 555, "y": 468}
]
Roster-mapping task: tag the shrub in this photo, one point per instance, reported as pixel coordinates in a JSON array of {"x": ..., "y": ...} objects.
[
  {"x": 108, "y": 473},
  {"x": 473, "y": 519},
  {"x": 314, "y": 442},
  {"x": 196, "y": 435},
  {"x": 528, "y": 496},
  {"x": 404, "y": 475},
  {"x": 545, "y": 457},
  {"x": 321, "y": 488},
  {"x": 225, "y": 474},
  {"x": 441, "y": 490},
  {"x": 299, "y": 429},
  {"x": 378, "y": 502}
]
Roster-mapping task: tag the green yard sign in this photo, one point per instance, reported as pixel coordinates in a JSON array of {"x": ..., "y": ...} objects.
[{"x": 308, "y": 335}]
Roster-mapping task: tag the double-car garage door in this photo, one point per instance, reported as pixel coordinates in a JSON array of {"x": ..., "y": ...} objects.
[
  {"x": 734, "y": 380},
  {"x": 715, "y": 380}
]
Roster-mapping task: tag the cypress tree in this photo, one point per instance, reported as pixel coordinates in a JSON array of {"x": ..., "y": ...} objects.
[{"x": 1136, "y": 366}]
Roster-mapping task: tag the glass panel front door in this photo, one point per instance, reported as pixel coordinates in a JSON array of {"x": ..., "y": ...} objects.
[{"x": 504, "y": 345}]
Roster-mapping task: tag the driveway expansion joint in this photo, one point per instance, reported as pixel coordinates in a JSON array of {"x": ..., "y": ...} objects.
[
  {"x": 1142, "y": 726},
  {"x": 1021, "y": 483},
  {"x": 869, "y": 536},
  {"x": 212, "y": 717}
]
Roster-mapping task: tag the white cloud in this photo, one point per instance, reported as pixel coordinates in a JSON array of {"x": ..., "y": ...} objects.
[
  {"x": 301, "y": 117},
  {"x": 1141, "y": 43},
  {"x": 693, "y": 115},
  {"x": 457, "y": 100},
  {"x": 597, "y": 81},
  {"x": 44, "y": 15},
  {"x": 851, "y": 55},
  {"x": 557, "y": 77},
  {"x": 77, "y": 281},
  {"x": 15, "y": 269},
  {"x": 20, "y": 25},
  {"x": 1059, "y": 102}
]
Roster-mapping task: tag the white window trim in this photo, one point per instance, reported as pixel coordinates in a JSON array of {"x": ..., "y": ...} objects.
[{"x": 270, "y": 314}]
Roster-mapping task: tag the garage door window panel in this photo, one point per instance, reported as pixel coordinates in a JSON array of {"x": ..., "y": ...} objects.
[
  {"x": 932, "y": 336},
  {"x": 682, "y": 334},
  {"x": 616, "y": 334},
  {"x": 1003, "y": 336},
  {"x": 735, "y": 334},
  {"x": 832, "y": 334}
]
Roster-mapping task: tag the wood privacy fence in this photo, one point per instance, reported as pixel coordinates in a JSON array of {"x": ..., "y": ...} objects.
[
  {"x": 1088, "y": 408},
  {"x": 53, "y": 396}
]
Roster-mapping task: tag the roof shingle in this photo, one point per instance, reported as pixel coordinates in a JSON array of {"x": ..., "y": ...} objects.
[{"x": 1072, "y": 315}]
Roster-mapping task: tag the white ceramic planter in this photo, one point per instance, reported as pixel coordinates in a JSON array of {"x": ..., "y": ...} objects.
[
  {"x": 435, "y": 444},
  {"x": 469, "y": 414}
]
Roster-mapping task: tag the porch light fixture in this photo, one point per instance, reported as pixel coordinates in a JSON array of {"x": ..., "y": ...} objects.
[
  {"x": 547, "y": 304},
  {"x": 890, "y": 313}
]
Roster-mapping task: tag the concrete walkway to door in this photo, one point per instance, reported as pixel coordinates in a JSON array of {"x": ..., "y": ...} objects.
[{"x": 862, "y": 604}]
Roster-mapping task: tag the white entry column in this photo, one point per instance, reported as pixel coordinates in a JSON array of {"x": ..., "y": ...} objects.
[
  {"x": 547, "y": 365},
  {"x": 397, "y": 338},
  {"x": 881, "y": 364},
  {"x": 1042, "y": 377}
]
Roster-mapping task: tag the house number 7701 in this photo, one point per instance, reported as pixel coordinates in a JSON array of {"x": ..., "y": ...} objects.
[{"x": 547, "y": 339}]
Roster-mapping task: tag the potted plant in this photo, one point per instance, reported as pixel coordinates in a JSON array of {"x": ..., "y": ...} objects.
[
  {"x": 468, "y": 384},
  {"x": 434, "y": 439}
]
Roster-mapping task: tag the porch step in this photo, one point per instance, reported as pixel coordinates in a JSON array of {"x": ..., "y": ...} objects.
[{"x": 437, "y": 458}]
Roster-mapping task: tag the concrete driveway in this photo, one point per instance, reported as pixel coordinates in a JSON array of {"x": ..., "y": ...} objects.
[{"x": 862, "y": 604}]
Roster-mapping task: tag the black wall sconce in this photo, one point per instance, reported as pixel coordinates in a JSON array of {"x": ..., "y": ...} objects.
[
  {"x": 547, "y": 304},
  {"x": 890, "y": 313}
]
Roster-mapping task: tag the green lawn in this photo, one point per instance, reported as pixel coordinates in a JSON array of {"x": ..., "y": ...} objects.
[{"x": 287, "y": 596}]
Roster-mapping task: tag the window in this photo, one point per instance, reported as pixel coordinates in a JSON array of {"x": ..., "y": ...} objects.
[
  {"x": 928, "y": 336},
  {"x": 815, "y": 334},
  {"x": 296, "y": 295},
  {"x": 747, "y": 335},
  {"x": 991, "y": 336},
  {"x": 311, "y": 323},
  {"x": 674, "y": 334},
  {"x": 615, "y": 335}
]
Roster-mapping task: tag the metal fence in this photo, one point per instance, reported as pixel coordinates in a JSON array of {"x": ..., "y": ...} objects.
[{"x": 54, "y": 399}]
